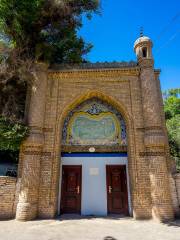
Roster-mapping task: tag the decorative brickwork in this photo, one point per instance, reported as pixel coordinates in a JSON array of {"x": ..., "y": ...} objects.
[{"x": 151, "y": 154}]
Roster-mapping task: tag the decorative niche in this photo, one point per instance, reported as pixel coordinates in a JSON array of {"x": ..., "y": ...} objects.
[{"x": 96, "y": 123}]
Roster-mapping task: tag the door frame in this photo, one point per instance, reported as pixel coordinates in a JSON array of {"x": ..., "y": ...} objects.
[{"x": 72, "y": 166}]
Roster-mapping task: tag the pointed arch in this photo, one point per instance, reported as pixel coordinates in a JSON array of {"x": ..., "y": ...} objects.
[
  {"x": 101, "y": 96},
  {"x": 119, "y": 106},
  {"x": 94, "y": 122}
]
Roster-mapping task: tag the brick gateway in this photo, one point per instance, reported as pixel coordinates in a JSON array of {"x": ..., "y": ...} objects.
[{"x": 133, "y": 90}]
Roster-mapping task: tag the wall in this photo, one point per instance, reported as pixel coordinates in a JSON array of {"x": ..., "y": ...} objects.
[
  {"x": 175, "y": 192},
  {"x": 119, "y": 88},
  {"x": 66, "y": 89},
  {"x": 177, "y": 179},
  {"x": 7, "y": 197}
]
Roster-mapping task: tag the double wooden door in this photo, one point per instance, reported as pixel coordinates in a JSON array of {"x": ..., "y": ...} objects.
[
  {"x": 71, "y": 189},
  {"x": 117, "y": 197}
]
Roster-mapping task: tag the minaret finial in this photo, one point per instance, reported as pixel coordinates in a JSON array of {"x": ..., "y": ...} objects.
[{"x": 141, "y": 32}]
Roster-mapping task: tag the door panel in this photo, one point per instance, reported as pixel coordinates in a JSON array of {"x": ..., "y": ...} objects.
[
  {"x": 117, "y": 197},
  {"x": 71, "y": 189}
]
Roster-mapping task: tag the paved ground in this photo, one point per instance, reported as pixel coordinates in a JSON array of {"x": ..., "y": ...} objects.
[{"x": 89, "y": 229}]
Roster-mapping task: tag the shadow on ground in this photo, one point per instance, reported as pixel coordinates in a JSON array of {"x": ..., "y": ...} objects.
[
  {"x": 65, "y": 217},
  {"x": 175, "y": 223},
  {"x": 110, "y": 238}
]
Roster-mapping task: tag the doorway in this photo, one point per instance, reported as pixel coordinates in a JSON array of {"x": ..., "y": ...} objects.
[
  {"x": 117, "y": 196},
  {"x": 71, "y": 189},
  {"x": 91, "y": 198}
]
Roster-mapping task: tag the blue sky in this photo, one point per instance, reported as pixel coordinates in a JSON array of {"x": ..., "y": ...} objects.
[{"x": 114, "y": 32}]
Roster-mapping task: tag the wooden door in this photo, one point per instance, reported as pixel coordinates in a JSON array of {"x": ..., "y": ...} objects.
[
  {"x": 117, "y": 197},
  {"x": 71, "y": 189}
]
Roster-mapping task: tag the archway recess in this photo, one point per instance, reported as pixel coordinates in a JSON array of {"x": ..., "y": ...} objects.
[
  {"x": 94, "y": 123},
  {"x": 94, "y": 139}
]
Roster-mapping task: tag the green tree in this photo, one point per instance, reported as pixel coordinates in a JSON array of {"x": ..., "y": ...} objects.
[
  {"x": 46, "y": 30},
  {"x": 11, "y": 135},
  {"x": 172, "y": 115},
  {"x": 38, "y": 30},
  {"x": 31, "y": 31}
]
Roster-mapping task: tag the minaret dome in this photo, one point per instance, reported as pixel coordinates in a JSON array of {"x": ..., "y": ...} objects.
[{"x": 143, "y": 48}]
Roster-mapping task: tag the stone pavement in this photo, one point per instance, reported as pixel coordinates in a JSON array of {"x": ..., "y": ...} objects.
[{"x": 78, "y": 228}]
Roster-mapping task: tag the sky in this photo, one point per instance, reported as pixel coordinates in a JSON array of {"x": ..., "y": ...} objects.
[{"x": 115, "y": 30}]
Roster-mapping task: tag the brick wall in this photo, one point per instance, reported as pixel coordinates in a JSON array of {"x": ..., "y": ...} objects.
[
  {"x": 126, "y": 90},
  {"x": 175, "y": 192},
  {"x": 177, "y": 180},
  {"x": 7, "y": 197}
]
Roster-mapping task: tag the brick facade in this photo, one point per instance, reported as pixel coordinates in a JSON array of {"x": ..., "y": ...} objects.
[
  {"x": 134, "y": 90},
  {"x": 9, "y": 194}
]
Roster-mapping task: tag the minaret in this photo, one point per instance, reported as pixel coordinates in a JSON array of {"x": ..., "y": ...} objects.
[
  {"x": 154, "y": 134},
  {"x": 151, "y": 104}
]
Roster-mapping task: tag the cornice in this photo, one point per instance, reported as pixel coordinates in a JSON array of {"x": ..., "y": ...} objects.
[
  {"x": 102, "y": 72},
  {"x": 97, "y": 65}
]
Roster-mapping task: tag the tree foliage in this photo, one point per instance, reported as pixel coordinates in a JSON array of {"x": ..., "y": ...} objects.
[
  {"x": 38, "y": 30},
  {"x": 46, "y": 30},
  {"x": 11, "y": 135},
  {"x": 32, "y": 31},
  {"x": 172, "y": 114}
]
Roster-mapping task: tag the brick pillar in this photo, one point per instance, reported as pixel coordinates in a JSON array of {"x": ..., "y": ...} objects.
[
  {"x": 31, "y": 148},
  {"x": 155, "y": 142}
]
